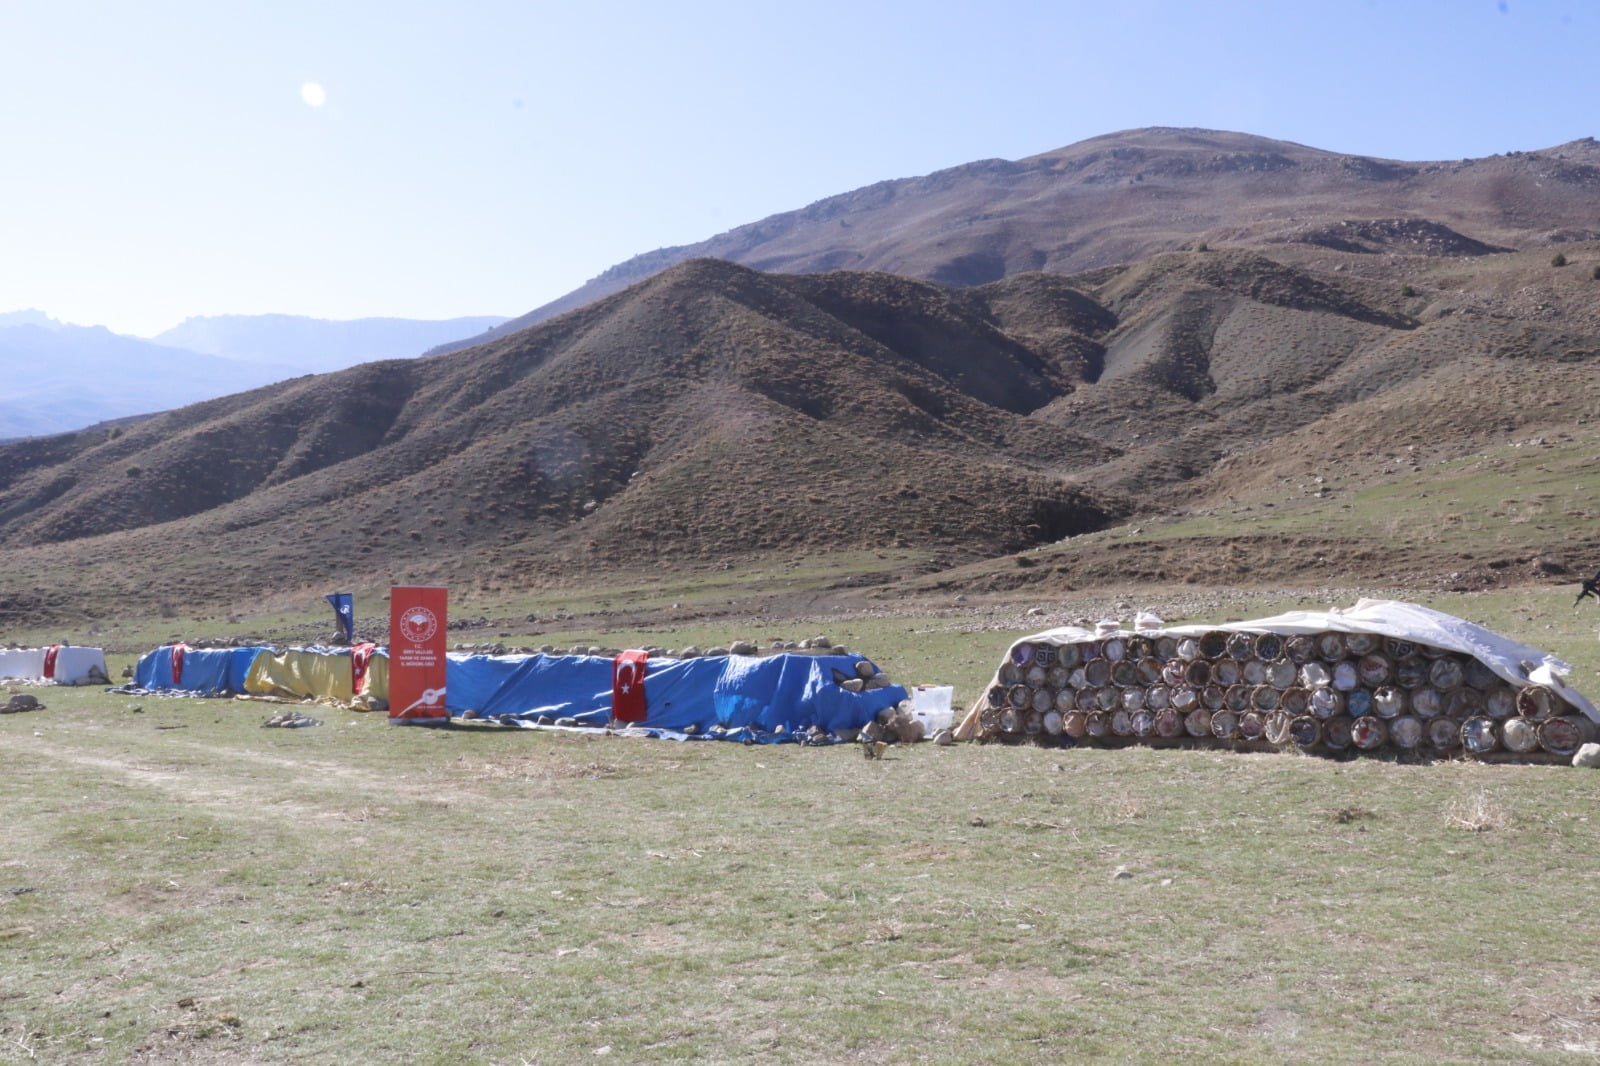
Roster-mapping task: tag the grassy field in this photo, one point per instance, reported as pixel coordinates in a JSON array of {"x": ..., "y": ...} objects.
[{"x": 178, "y": 884}]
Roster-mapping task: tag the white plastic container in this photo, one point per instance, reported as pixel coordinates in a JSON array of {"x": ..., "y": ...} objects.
[{"x": 930, "y": 704}]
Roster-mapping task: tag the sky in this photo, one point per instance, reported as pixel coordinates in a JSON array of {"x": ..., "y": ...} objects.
[{"x": 343, "y": 159}]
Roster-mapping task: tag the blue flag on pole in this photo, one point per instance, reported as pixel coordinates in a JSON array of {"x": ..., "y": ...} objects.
[{"x": 344, "y": 608}]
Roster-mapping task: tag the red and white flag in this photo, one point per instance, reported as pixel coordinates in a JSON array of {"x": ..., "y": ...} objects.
[
  {"x": 627, "y": 686},
  {"x": 360, "y": 658}
]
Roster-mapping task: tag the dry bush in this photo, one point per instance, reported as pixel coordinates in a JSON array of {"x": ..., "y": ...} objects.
[{"x": 1479, "y": 814}]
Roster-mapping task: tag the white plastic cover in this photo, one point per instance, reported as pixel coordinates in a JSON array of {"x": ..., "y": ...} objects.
[{"x": 73, "y": 666}]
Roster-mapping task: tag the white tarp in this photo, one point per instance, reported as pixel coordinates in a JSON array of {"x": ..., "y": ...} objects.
[
  {"x": 26, "y": 664},
  {"x": 64, "y": 664},
  {"x": 1515, "y": 663}
]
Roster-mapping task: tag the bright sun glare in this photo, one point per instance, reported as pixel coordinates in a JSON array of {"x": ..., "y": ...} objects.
[{"x": 313, "y": 94}]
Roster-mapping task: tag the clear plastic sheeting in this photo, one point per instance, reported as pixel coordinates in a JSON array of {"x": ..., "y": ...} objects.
[{"x": 1381, "y": 676}]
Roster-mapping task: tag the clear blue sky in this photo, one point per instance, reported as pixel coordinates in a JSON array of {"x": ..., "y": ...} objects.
[{"x": 165, "y": 158}]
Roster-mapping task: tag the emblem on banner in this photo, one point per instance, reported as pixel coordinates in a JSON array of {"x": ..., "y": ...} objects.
[{"x": 418, "y": 624}]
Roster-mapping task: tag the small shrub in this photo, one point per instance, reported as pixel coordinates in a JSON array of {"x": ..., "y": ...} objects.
[
  {"x": 1407, "y": 291},
  {"x": 1202, "y": 247},
  {"x": 1595, "y": 273},
  {"x": 1558, "y": 260},
  {"x": 134, "y": 471},
  {"x": 1477, "y": 815}
]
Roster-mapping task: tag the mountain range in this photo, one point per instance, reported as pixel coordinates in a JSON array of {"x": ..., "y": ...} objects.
[
  {"x": 1195, "y": 357},
  {"x": 1126, "y": 196},
  {"x": 62, "y": 377}
]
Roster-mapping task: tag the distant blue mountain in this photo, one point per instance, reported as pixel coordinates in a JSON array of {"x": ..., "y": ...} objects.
[
  {"x": 56, "y": 377},
  {"x": 316, "y": 344}
]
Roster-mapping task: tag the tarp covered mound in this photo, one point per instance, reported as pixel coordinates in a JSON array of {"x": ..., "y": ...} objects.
[
  {"x": 736, "y": 697},
  {"x": 194, "y": 671},
  {"x": 1381, "y": 676},
  {"x": 764, "y": 698},
  {"x": 60, "y": 664},
  {"x": 323, "y": 674}
]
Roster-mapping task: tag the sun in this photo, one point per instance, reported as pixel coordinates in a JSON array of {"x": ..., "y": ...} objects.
[{"x": 313, "y": 94}]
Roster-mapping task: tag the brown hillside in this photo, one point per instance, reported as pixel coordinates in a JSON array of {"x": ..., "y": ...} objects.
[
  {"x": 714, "y": 411},
  {"x": 1127, "y": 196}
]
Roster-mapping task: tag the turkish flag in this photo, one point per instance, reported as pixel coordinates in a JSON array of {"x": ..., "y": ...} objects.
[
  {"x": 50, "y": 661},
  {"x": 360, "y": 656},
  {"x": 177, "y": 664},
  {"x": 627, "y": 686}
]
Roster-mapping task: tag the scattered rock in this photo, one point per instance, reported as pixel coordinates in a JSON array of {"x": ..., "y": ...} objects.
[
  {"x": 21, "y": 702},
  {"x": 289, "y": 720},
  {"x": 908, "y": 730},
  {"x": 1588, "y": 755}
]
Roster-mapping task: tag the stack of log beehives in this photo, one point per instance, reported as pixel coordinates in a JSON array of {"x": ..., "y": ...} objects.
[{"x": 1329, "y": 692}]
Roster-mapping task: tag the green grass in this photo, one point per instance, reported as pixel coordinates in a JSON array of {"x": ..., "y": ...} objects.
[
  {"x": 179, "y": 884},
  {"x": 1508, "y": 499}
]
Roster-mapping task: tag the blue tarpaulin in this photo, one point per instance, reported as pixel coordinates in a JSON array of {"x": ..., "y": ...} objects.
[
  {"x": 767, "y": 697},
  {"x": 206, "y": 671},
  {"x": 763, "y": 698}
]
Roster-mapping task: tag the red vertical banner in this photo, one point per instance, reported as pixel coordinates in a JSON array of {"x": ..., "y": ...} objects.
[{"x": 417, "y": 618}]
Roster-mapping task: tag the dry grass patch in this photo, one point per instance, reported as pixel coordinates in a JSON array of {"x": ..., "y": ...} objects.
[{"x": 539, "y": 766}]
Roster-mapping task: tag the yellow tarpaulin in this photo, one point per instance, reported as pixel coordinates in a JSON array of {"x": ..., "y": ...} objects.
[{"x": 300, "y": 674}]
